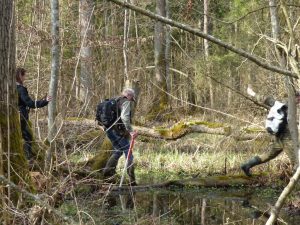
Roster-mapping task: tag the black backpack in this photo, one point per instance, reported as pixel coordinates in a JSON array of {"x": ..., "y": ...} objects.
[{"x": 107, "y": 112}]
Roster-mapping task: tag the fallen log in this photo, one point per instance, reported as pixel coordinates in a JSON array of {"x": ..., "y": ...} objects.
[
  {"x": 174, "y": 132},
  {"x": 207, "y": 182},
  {"x": 94, "y": 134}
]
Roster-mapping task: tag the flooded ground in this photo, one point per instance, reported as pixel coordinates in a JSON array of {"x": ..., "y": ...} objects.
[{"x": 179, "y": 206}]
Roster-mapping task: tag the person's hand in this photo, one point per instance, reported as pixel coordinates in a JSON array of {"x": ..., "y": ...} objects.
[
  {"x": 133, "y": 134},
  {"x": 48, "y": 98},
  {"x": 250, "y": 91}
]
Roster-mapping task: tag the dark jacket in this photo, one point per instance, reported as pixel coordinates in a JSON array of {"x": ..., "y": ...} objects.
[{"x": 25, "y": 102}]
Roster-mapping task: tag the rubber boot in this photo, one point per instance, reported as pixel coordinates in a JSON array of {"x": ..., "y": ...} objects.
[
  {"x": 131, "y": 174},
  {"x": 110, "y": 168},
  {"x": 251, "y": 163},
  {"x": 28, "y": 152}
]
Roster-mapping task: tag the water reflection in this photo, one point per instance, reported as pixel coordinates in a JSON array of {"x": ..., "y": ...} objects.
[{"x": 202, "y": 207}]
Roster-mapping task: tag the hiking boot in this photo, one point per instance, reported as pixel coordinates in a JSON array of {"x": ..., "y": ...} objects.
[
  {"x": 251, "y": 163},
  {"x": 110, "y": 168}
]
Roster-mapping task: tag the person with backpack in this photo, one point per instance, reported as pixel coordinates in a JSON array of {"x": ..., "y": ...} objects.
[
  {"x": 276, "y": 125},
  {"x": 115, "y": 116},
  {"x": 25, "y": 103}
]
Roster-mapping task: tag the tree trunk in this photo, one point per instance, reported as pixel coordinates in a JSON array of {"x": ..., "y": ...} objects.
[
  {"x": 2, "y": 199},
  {"x": 292, "y": 109},
  {"x": 86, "y": 8},
  {"x": 160, "y": 61},
  {"x": 206, "y": 50},
  {"x": 14, "y": 165},
  {"x": 55, "y": 52},
  {"x": 168, "y": 48},
  {"x": 274, "y": 19},
  {"x": 125, "y": 42}
]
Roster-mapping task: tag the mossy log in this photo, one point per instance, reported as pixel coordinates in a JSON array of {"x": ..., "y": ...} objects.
[
  {"x": 207, "y": 182},
  {"x": 105, "y": 151},
  {"x": 90, "y": 131},
  {"x": 182, "y": 129}
]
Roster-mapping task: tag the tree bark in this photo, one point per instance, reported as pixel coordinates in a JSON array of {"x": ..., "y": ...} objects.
[
  {"x": 14, "y": 165},
  {"x": 55, "y": 53},
  {"x": 125, "y": 42},
  {"x": 86, "y": 8},
  {"x": 257, "y": 60},
  {"x": 206, "y": 50},
  {"x": 160, "y": 60}
]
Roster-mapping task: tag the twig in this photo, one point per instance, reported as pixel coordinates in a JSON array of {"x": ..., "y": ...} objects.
[
  {"x": 37, "y": 199},
  {"x": 195, "y": 31}
]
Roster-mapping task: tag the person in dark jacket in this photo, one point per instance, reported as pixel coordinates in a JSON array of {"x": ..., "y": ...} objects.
[
  {"x": 25, "y": 103},
  {"x": 120, "y": 134}
]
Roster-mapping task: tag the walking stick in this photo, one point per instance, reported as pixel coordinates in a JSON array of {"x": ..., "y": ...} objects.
[{"x": 126, "y": 162}]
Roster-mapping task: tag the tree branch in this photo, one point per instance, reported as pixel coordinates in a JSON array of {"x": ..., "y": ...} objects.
[
  {"x": 214, "y": 40},
  {"x": 240, "y": 93},
  {"x": 36, "y": 198},
  {"x": 285, "y": 193}
]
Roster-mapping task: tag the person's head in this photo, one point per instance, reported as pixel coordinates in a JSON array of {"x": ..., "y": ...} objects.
[
  {"x": 269, "y": 101},
  {"x": 20, "y": 75},
  {"x": 129, "y": 93}
]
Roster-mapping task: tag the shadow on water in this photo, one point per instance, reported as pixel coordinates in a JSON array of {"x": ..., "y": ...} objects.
[{"x": 203, "y": 206}]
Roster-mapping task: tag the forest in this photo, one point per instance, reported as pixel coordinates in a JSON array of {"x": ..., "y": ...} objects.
[{"x": 149, "y": 112}]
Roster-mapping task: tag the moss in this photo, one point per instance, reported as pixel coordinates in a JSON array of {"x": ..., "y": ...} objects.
[
  {"x": 105, "y": 151},
  {"x": 19, "y": 165},
  {"x": 175, "y": 131},
  {"x": 250, "y": 130},
  {"x": 182, "y": 127},
  {"x": 74, "y": 119},
  {"x": 88, "y": 136},
  {"x": 223, "y": 178},
  {"x": 208, "y": 124}
]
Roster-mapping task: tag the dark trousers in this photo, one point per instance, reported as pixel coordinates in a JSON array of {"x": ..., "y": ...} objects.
[
  {"x": 120, "y": 144},
  {"x": 27, "y": 136}
]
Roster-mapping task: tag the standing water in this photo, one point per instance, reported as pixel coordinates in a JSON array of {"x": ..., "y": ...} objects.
[{"x": 179, "y": 206}]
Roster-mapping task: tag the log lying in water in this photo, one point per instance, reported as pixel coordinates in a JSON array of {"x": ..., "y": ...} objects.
[{"x": 208, "y": 182}]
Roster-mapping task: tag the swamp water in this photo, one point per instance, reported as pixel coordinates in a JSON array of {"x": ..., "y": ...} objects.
[{"x": 178, "y": 206}]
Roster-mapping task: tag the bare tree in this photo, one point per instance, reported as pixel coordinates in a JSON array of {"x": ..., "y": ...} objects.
[
  {"x": 86, "y": 8},
  {"x": 206, "y": 49},
  {"x": 253, "y": 58},
  {"x": 160, "y": 62},
  {"x": 125, "y": 41},
  {"x": 55, "y": 52},
  {"x": 13, "y": 164}
]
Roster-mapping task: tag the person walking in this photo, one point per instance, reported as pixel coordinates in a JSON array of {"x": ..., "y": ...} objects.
[
  {"x": 119, "y": 134},
  {"x": 25, "y": 103},
  {"x": 280, "y": 142}
]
